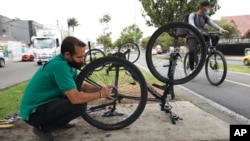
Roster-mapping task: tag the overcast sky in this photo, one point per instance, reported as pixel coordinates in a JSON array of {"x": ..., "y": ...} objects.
[{"x": 88, "y": 12}]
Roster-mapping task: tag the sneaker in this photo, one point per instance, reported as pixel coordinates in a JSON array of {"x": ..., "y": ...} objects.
[{"x": 45, "y": 136}]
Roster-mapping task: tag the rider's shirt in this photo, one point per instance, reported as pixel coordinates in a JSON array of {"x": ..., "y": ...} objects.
[{"x": 200, "y": 21}]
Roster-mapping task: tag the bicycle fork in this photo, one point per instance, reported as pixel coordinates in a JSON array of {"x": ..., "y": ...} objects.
[{"x": 168, "y": 89}]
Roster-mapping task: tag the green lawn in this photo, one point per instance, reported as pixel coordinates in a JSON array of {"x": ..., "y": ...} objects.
[
  {"x": 10, "y": 99},
  {"x": 238, "y": 68}
]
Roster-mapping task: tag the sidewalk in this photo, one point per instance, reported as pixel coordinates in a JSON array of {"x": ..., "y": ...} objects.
[
  {"x": 153, "y": 125},
  {"x": 234, "y": 58}
]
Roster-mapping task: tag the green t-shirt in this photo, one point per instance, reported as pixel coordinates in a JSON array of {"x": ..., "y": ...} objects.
[{"x": 48, "y": 84}]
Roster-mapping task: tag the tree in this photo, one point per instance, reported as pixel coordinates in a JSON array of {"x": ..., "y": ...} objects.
[
  {"x": 105, "y": 20},
  {"x": 130, "y": 34},
  {"x": 144, "y": 42},
  {"x": 72, "y": 22},
  {"x": 105, "y": 37},
  {"x": 164, "y": 41},
  {"x": 160, "y": 12}
]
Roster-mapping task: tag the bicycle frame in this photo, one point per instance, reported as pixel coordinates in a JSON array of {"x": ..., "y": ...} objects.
[
  {"x": 211, "y": 48},
  {"x": 168, "y": 87}
]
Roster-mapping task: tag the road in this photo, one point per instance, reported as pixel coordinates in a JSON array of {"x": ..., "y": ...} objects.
[
  {"x": 233, "y": 94},
  {"x": 16, "y": 72}
]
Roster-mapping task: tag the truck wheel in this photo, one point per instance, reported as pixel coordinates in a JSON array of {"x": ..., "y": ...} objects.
[
  {"x": 39, "y": 63},
  {"x": 2, "y": 63}
]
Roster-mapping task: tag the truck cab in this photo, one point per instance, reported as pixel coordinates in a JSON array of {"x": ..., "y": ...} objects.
[{"x": 46, "y": 45}]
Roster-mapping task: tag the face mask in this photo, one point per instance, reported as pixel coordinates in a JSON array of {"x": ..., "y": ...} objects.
[
  {"x": 207, "y": 12},
  {"x": 75, "y": 64}
]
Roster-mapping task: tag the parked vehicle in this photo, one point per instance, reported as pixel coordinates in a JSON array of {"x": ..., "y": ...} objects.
[
  {"x": 154, "y": 52},
  {"x": 247, "y": 51},
  {"x": 246, "y": 60},
  {"x": 158, "y": 49},
  {"x": 2, "y": 60},
  {"x": 46, "y": 44},
  {"x": 28, "y": 55}
]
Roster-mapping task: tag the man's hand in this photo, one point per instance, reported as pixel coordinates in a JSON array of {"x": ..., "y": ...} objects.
[
  {"x": 223, "y": 31},
  {"x": 106, "y": 92}
]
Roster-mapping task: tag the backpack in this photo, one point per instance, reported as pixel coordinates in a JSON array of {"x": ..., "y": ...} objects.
[{"x": 182, "y": 32}]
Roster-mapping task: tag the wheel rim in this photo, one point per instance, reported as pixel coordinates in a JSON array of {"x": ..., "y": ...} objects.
[
  {"x": 129, "y": 96},
  {"x": 158, "y": 64},
  {"x": 133, "y": 54},
  {"x": 216, "y": 68}
]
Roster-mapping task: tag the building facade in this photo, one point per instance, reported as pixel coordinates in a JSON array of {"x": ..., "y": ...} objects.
[
  {"x": 242, "y": 22},
  {"x": 18, "y": 30}
]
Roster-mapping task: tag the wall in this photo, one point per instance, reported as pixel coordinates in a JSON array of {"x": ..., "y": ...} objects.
[{"x": 233, "y": 49}]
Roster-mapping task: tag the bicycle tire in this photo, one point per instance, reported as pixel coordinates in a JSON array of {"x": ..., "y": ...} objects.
[
  {"x": 130, "y": 98},
  {"x": 162, "y": 76},
  {"x": 134, "y": 49},
  {"x": 93, "y": 52},
  {"x": 186, "y": 64},
  {"x": 213, "y": 66}
]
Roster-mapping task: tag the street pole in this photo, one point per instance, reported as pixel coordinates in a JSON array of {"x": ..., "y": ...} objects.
[{"x": 135, "y": 23}]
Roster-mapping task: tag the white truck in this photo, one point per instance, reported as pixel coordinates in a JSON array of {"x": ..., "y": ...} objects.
[{"x": 46, "y": 44}]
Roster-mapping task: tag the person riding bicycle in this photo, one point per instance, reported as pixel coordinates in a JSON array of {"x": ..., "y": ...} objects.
[
  {"x": 199, "y": 20},
  {"x": 51, "y": 99}
]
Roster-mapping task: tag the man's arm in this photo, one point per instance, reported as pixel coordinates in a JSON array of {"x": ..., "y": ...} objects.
[
  {"x": 77, "y": 97},
  {"x": 215, "y": 26},
  {"x": 191, "y": 19},
  {"x": 89, "y": 88},
  {"x": 212, "y": 24}
]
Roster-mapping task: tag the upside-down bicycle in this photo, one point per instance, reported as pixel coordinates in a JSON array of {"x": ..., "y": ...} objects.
[
  {"x": 129, "y": 85},
  {"x": 128, "y": 50}
]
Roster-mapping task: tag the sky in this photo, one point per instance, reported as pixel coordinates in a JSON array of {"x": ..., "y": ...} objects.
[{"x": 88, "y": 12}]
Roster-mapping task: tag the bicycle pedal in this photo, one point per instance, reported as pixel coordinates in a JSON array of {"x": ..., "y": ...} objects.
[
  {"x": 109, "y": 114},
  {"x": 175, "y": 117}
]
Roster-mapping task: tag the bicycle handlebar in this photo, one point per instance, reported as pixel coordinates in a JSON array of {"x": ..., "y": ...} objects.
[{"x": 212, "y": 33}]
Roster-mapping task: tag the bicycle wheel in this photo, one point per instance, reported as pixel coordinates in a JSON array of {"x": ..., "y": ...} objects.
[
  {"x": 131, "y": 51},
  {"x": 168, "y": 38},
  {"x": 216, "y": 68},
  {"x": 186, "y": 67},
  {"x": 95, "y": 54},
  {"x": 129, "y": 88}
]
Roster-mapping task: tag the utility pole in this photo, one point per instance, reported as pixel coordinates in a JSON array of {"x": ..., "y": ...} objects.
[{"x": 135, "y": 23}]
